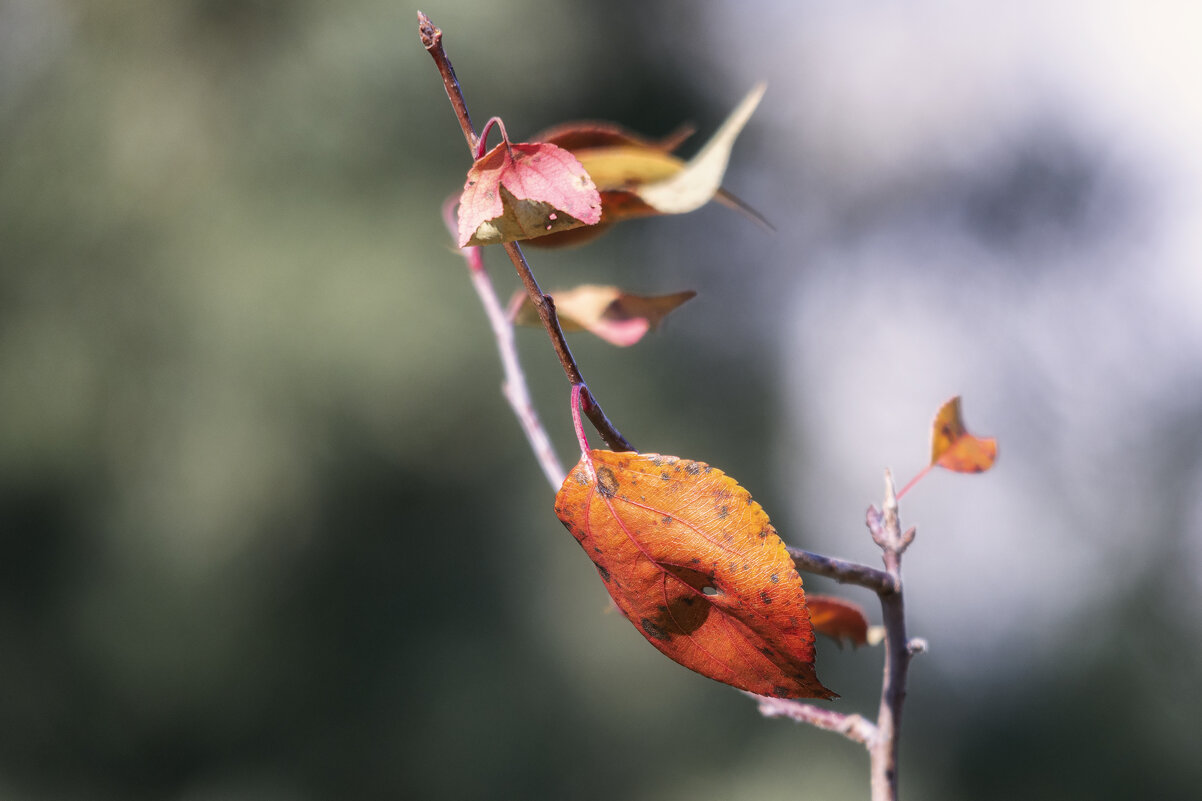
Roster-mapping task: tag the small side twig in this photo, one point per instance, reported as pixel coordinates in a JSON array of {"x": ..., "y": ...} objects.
[
  {"x": 856, "y": 728},
  {"x": 879, "y": 581},
  {"x": 431, "y": 37}
]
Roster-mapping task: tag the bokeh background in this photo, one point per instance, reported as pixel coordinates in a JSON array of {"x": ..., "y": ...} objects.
[{"x": 268, "y": 530}]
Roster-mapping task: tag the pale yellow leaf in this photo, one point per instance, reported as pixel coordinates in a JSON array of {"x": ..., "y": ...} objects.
[{"x": 695, "y": 185}]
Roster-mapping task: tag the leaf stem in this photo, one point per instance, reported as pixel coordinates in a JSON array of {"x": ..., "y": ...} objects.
[
  {"x": 581, "y": 437},
  {"x": 910, "y": 484},
  {"x": 431, "y": 37}
]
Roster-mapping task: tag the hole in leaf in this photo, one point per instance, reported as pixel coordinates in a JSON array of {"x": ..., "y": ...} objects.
[{"x": 710, "y": 590}]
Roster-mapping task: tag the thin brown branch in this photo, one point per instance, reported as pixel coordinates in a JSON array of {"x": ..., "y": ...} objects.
[
  {"x": 431, "y": 37},
  {"x": 843, "y": 572},
  {"x": 545, "y": 307},
  {"x": 854, "y": 727}
]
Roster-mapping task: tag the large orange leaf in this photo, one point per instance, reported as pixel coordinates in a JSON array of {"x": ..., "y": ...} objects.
[
  {"x": 953, "y": 448},
  {"x": 693, "y": 562}
]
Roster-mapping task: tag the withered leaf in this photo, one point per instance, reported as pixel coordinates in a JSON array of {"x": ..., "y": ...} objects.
[
  {"x": 838, "y": 619},
  {"x": 638, "y": 177},
  {"x": 620, "y": 318}
]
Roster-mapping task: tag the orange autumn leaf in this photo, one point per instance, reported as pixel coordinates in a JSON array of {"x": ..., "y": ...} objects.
[
  {"x": 694, "y": 563},
  {"x": 637, "y": 177},
  {"x": 519, "y": 191},
  {"x": 953, "y": 448},
  {"x": 620, "y": 318},
  {"x": 838, "y": 619}
]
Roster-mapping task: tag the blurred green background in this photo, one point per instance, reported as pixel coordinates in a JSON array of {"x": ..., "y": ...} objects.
[{"x": 268, "y": 530}]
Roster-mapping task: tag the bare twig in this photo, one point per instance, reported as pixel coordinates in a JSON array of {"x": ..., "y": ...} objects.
[
  {"x": 843, "y": 572},
  {"x": 432, "y": 40},
  {"x": 854, "y": 727},
  {"x": 886, "y": 530},
  {"x": 514, "y": 387},
  {"x": 431, "y": 37},
  {"x": 881, "y": 738}
]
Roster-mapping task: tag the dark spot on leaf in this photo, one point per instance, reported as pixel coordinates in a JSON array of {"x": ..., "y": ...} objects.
[
  {"x": 695, "y": 561},
  {"x": 653, "y": 631},
  {"x": 664, "y": 475},
  {"x": 692, "y": 468},
  {"x": 688, "y": 600},
  {"x": 766, "y": 651},
  {"x": 764, "y": 533},
  {"x": 668, "y": 519},
  {"x": 604, "y": 573},
  {"x": 607, "y": 482},
  {"x": 774, "y": 578},
  {"x": 723, "y": 511},
  {"x": 765, "y": 597},
  {"x": 780, "y": 692}
]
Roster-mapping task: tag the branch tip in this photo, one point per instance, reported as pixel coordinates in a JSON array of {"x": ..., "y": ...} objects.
[{"x": 428, "y": 31}]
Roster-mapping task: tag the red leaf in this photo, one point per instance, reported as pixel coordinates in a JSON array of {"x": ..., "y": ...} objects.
[
  {"x": 838, "y": 619},
  {"x": 693, "y": 562},
  {"x": 520, "y": 191},
  {"x": 953, "y": 448}
]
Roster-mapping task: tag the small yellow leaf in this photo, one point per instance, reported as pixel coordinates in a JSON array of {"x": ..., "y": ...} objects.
[{"x": 953, "y": 448}]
